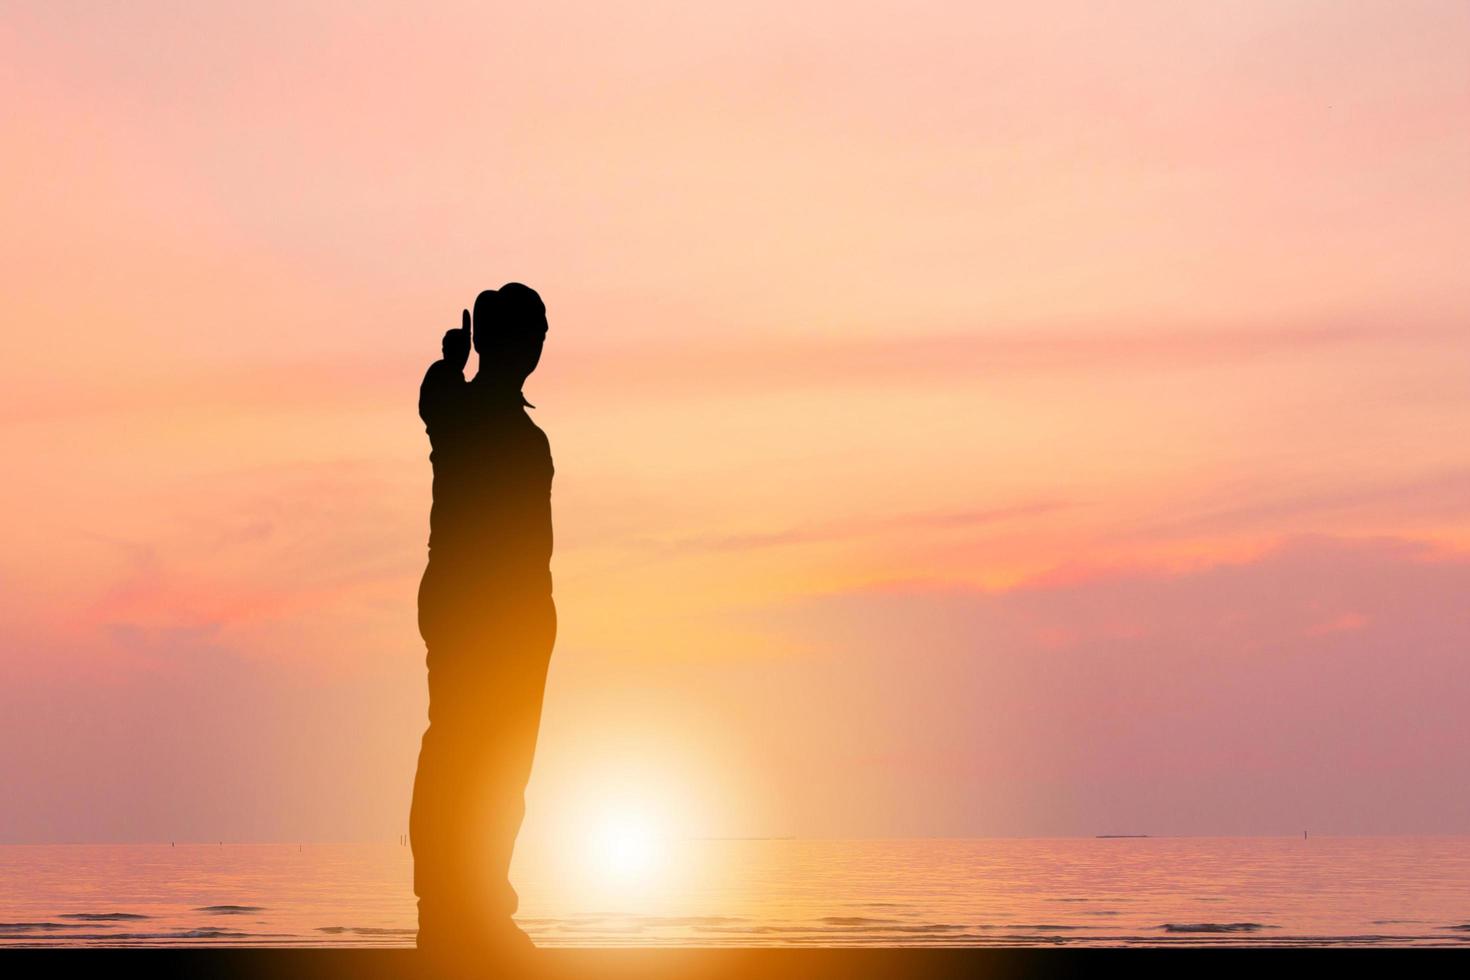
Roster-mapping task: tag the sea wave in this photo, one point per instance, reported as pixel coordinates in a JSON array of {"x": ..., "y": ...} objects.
[
  {"x": 104, "y": 916},
  {"x": 1215, "y": 927},
  {"x": 39, "y": 925}
]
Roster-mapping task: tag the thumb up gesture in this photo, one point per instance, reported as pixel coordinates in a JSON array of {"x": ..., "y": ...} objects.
[{"x": 457, "y": 345}]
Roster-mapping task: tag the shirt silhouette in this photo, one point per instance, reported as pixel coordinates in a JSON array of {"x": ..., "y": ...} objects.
[{"x": 488, "y": 621}]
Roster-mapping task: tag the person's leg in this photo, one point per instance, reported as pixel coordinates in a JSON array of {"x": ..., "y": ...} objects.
[
  {"x": 433, "y": 830},
  {"x": 486, "y": 688},
  {"x": 517, "y": 694},
  {"x": 439, "y": 815}
]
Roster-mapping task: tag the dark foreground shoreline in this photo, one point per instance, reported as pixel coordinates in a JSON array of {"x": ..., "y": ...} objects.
[{"x": 739, "y": 964}]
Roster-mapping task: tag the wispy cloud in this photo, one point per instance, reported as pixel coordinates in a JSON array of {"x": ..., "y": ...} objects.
[
  {"x": 853, "y": 529},
  {"x": 963, "y": 356},
  {"x": 1438, "y": 497}
]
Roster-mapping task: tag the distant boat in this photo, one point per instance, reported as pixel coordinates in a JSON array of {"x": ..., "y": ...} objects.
[{"x": 1119, "y": 836}]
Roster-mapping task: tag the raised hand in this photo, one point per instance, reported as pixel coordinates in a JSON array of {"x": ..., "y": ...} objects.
[{"x": 457, "y": 345}]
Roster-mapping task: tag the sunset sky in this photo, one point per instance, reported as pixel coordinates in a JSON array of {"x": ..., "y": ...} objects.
[{"x": 969, "y": 418}]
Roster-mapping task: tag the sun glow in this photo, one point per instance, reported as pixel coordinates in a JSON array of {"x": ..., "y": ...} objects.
[
  {"x": 618, "y": 832},
  {"x": 627, "y": 845}
]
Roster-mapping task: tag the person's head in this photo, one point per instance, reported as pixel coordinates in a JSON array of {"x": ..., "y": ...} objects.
[{"x": 510, "y": 328}]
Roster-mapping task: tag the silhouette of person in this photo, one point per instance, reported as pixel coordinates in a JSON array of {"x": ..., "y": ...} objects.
[{"x": 488, "y": 621}]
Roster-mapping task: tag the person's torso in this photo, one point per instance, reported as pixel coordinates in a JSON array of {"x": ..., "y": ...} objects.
[{"x": 491, "y": 516}]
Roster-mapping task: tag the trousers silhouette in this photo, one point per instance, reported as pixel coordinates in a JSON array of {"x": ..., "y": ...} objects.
[{"x": 487, "y": 676}]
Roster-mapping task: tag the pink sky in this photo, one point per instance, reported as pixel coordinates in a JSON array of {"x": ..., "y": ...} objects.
[{"x": 969, "y": 419}]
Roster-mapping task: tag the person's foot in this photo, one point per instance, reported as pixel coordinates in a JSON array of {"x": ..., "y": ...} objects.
[
  {"x": 479, "y": 953},
  {"x": 504, "y": 941}
]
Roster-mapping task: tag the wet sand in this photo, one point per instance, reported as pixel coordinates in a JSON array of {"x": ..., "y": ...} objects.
[{"x": 738, "y": 964}]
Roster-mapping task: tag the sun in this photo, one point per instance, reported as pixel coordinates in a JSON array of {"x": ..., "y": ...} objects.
[
  {"x": 626, "y": 845},
  {"x": 620, "y": 831}
]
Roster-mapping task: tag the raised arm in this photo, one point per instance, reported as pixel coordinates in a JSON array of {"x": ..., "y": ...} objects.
[{"x": 444, "y": 380}]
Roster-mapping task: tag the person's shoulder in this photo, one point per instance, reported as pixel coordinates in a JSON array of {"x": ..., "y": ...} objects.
[{"x": 442, "y": 373}]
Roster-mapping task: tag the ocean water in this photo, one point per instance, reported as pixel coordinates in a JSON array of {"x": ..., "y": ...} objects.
[{"x": 1088, "y": 892}]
